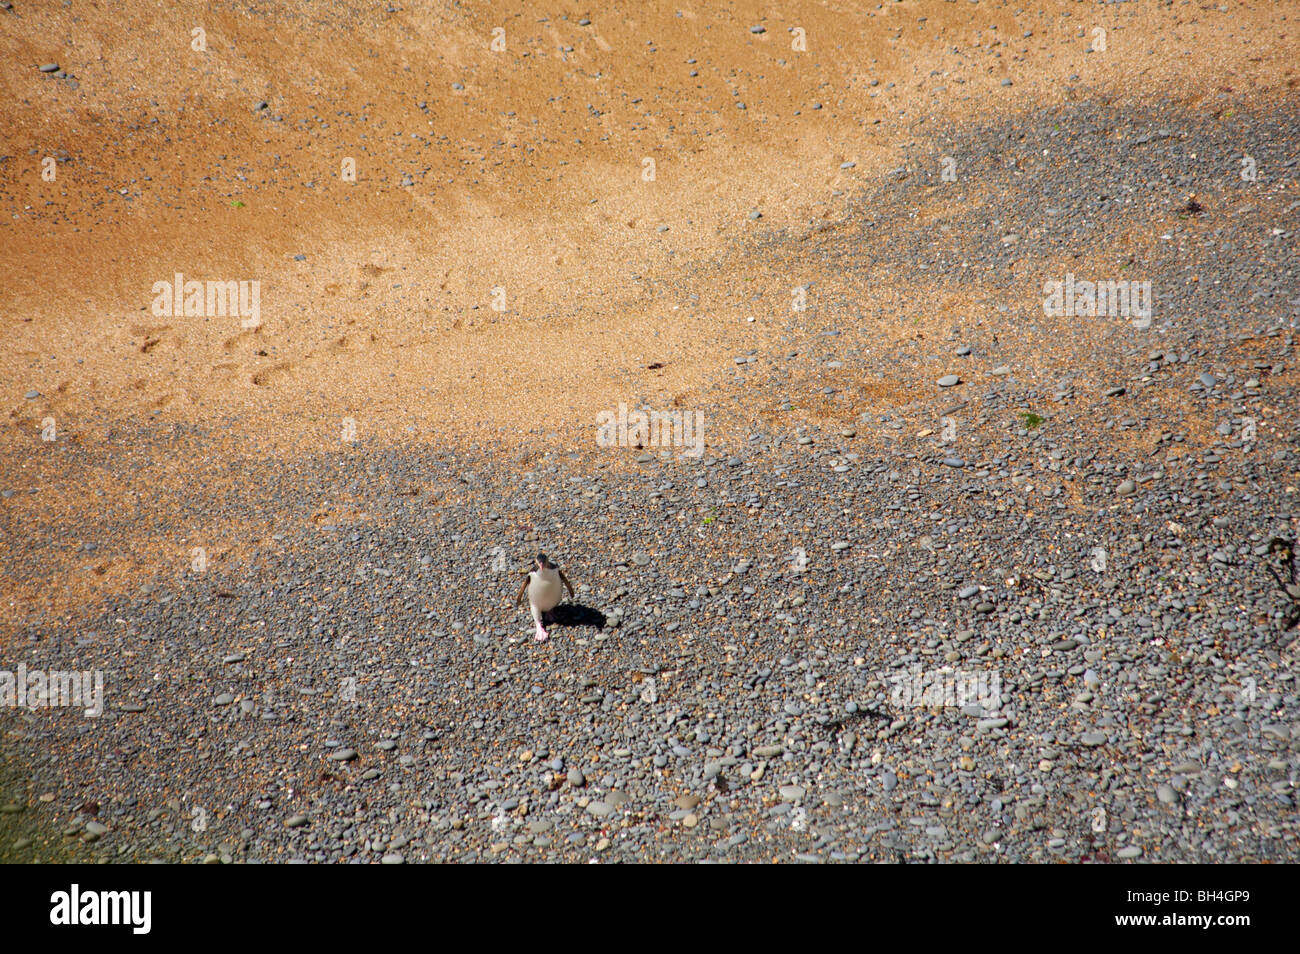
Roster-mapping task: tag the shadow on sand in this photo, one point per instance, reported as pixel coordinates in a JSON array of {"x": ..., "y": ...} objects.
[{"x": 575, "y": 614}]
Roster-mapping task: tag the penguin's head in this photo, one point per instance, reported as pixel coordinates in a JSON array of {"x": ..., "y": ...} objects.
[{"x": 544, "y": 562}]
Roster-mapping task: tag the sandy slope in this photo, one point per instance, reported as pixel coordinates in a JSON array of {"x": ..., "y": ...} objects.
[{"x": 527, "y": 172}]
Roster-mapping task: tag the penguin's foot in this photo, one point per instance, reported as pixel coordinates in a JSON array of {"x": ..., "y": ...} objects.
[{"x": 541, "y": 633}]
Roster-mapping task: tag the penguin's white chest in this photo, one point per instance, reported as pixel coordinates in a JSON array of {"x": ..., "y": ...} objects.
[{"x": 544, "y": 589}]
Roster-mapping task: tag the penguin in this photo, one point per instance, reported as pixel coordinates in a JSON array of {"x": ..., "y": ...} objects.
[{"x": 543, "y": 587}]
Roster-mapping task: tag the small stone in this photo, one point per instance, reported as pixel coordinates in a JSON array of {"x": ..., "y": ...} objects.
[
  {"x": 949, "y": 380},
  {"x": 296, "y": 821},
  {"x": 95, "y": 830}
]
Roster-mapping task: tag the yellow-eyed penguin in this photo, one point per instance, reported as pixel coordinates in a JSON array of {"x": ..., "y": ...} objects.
[{"x": 543, "y": 586}]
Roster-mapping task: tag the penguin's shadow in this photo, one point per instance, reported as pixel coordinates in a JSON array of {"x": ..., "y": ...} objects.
[{"x": 576, "y": 614}]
